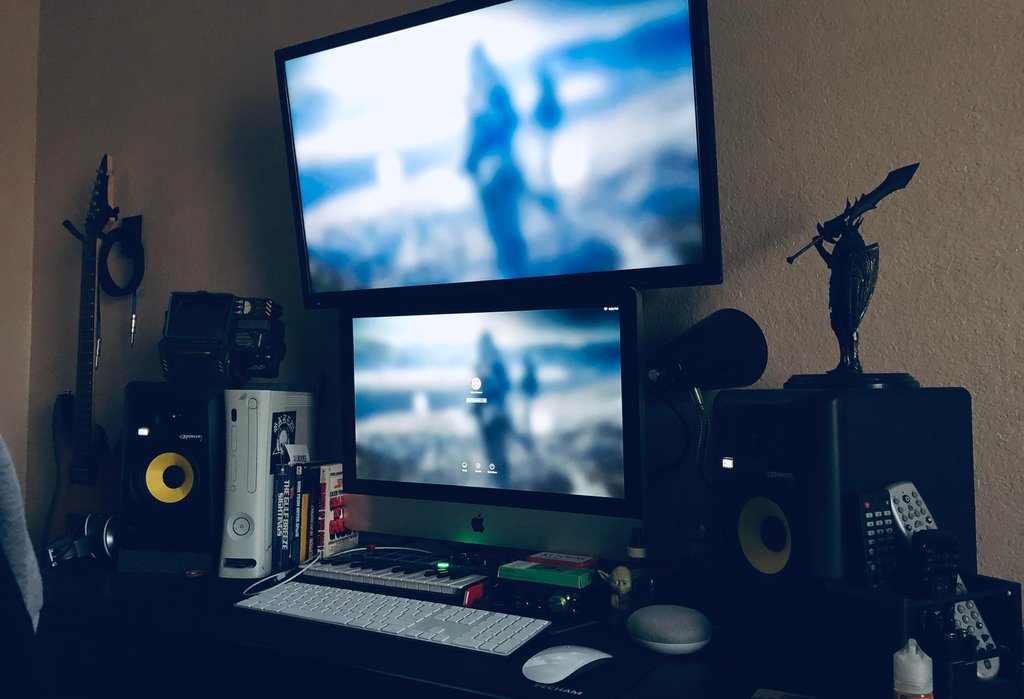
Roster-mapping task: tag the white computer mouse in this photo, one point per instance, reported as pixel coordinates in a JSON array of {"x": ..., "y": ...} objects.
[{"x": 559, "y": 662}]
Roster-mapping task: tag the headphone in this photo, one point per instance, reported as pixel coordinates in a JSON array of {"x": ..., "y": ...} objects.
[{"x": 88, "y": 536}]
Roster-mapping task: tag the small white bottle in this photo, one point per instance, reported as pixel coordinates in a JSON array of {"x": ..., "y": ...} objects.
[{"x": 911, "y": 673}]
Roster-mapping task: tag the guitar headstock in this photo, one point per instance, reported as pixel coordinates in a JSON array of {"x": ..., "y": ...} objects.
[{"x": 101, "y": 208}]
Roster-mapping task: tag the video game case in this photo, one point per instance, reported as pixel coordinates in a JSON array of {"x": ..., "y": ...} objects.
[
  {"x": 296, "y": 515},
  {"x": 311, "y": 508},
  {"x": 577, "y": 578},
  {"x": 337, "y": 537},
  {"x": 321, "y": 505},
  {"x": 282, "y": 517},
  {"x": 297, "y": 456}
]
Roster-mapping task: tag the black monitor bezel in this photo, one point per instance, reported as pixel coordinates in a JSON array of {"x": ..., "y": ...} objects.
[
  {"x": 629, "y": 303},
  {"x": 706, "y": 272}
]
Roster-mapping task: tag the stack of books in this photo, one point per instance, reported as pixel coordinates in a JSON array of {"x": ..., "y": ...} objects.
[{"x": 309, "y": 510}]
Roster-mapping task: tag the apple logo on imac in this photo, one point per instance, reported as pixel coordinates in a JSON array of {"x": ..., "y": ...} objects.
[{"x": 477, "y": 523}]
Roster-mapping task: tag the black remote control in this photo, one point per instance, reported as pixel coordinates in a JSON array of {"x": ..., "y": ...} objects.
[
  {"x": 878, "y": 539},
  {"x": 934, "y": 562},
  {"x": 912, "y": 515}
]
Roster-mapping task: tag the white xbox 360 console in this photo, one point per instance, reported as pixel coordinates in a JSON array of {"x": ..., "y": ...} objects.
[{"x": 257, "y": 426}]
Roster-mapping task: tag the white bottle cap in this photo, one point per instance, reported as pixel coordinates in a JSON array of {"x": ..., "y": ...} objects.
[
  {"x": 912, "y": 670},
  {"x": 636, "y": 548}
]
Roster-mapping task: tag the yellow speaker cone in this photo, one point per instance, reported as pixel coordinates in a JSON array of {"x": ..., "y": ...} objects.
[
  {"x": 764, "y": 535},
  {"x": 169, "y": 467}
]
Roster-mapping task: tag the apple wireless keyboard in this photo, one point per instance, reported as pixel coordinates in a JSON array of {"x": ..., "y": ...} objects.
[{"x": 461, "y": 627}]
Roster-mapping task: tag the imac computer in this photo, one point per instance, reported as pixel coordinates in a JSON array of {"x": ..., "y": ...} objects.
[
  {"x": 515, "y": 426},
  {"x": 473, "y": 145}
]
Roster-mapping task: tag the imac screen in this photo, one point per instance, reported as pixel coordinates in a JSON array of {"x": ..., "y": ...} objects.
[
  {"x": 517, "y": 425},
  {"x": 474, "y": 142},
  {"x": 515, "y": 400}
]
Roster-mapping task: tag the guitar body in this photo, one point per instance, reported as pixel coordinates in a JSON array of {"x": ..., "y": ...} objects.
[{"x": 97, "y": 497}]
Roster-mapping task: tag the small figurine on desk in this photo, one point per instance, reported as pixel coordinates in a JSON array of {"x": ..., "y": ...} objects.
[
  {"x": 620, "y": 580},
  {"x": 854, "y": 271}
]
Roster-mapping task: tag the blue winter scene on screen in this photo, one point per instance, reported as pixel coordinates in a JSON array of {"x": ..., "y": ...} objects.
[
  {"x": 530, "y": 138},
  {"x": 527, "y": 400}
]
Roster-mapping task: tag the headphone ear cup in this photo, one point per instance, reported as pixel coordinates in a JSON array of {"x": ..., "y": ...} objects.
[
  {"x": 109, "y": 537},
  {"x": 88, "y": 536},
  {"x": 100, "y": 533}
]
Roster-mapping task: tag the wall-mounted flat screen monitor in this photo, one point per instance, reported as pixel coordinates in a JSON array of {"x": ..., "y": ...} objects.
[{"x": 474, "y": 144}]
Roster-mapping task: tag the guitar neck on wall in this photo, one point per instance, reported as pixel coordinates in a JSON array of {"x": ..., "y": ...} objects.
[{"x": 82, "y": 468}]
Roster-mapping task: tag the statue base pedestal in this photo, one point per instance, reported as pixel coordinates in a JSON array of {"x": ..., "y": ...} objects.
[{"x": 851, "y": 380}]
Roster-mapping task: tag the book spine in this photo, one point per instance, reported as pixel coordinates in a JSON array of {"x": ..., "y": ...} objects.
[
  {"x": 275, "y": 539},
  {"x": 334, "y": 522},
  {"x": 312, "y": 490},
  {"x": 304, "y": 528},
  {"x": 296, "y": 515},
  {"x": 321, "y": 508},
  {"x": 279, "y": 547}
]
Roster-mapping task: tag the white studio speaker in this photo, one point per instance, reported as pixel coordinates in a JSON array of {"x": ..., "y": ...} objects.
[{"x": 258, "y": 425}]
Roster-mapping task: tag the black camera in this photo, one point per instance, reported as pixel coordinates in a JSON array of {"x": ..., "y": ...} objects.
[{"x": 221, "y": 338}]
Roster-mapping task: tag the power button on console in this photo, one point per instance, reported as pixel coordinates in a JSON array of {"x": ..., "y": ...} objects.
[{"x": 241, "y": 526}]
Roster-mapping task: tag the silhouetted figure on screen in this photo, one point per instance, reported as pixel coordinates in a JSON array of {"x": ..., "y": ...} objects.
[
  {"x": 548, "y": 116},
  {"x": 492, "y": 416},
  {"x": 492, "y": 123},
  {"x": 529, "y": 387}
]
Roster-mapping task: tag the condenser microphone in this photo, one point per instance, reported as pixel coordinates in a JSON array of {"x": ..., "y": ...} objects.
[{"x": 727, "y": 349}]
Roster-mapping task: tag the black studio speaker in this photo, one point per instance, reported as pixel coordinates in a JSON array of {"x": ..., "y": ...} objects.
[
  {"x": 788, "y": 469},
  {"x": 172, "y": 478}
]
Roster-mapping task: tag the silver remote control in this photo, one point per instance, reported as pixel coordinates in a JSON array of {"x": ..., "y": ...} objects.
[{"x": 912, "y": 515}]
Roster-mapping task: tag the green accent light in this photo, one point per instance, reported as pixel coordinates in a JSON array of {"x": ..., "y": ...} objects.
[{"x": 443, "y": 565}]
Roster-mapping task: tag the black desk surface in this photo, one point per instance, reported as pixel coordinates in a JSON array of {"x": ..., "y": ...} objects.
[{"x": 109, "y": 634}]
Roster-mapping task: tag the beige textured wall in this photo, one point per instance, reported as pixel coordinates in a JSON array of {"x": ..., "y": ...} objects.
[
  {"x": 815, "y": 102},
  {"x": 18, "y": 56}
]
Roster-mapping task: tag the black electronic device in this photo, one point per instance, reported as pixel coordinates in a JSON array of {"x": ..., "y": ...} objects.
[
  {"x": 788, "y": 467},
  {"x": 727, "y": 349},
  {"x": 933, "y": 563},
  {"x": 546, "y": 601},
  {"x": 568, "y": 159},
  {"x": 878, "y": 539},
  {"x": 172, "y": 478},
  {"x": 221, "y": 338}
]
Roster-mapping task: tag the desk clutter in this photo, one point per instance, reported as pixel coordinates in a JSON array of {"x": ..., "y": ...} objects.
[
  {"x": 847, "y": 516},
  {"x": 816, "y": 538},
  {"x": 841, "y": 515}
]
